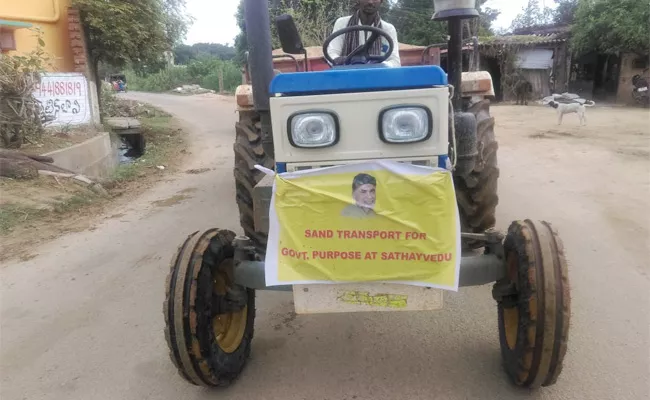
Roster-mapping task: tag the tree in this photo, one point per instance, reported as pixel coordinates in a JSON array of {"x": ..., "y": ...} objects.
[
  {"x": 565, "y": 11},
  {"x": 314, "y": 19},
  {"x": 611, "y": 26},
  {"x": 412, "y": 20},
  {"x": 483, "y": 25},
  {"x": 532, "y": 15},
  {"x": 125, "y": 31},
  {"x": 183, "y": 53}
]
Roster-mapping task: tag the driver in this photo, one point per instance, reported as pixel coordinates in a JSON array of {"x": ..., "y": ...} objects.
[{"x": 367, "y": 14}]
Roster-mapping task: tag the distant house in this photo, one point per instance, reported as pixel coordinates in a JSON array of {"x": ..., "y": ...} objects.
[
  {"x": 539, "y": 55},
  {"x": 542, "y": 55},
  {"x": 607, "y": 77}
]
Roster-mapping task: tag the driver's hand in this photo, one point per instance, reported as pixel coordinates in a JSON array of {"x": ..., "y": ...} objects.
[{"x": 339, "y": 61}]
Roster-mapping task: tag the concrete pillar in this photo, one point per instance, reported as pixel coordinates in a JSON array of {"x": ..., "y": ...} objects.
[{"x": 81, "y": 61}]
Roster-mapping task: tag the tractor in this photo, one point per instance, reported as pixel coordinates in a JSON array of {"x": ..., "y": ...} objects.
[{"x": 209, "y": 307}]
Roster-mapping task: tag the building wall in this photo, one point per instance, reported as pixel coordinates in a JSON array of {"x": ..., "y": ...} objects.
[
  {"x": 627, "y": 71},
  {"x": 63, "y": 36},
  {"x": 51, "y": 17},
  {"x": 539, "y": 78}
]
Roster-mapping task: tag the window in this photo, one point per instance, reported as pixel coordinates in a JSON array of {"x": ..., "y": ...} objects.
[{"x": 7, "y": 41}]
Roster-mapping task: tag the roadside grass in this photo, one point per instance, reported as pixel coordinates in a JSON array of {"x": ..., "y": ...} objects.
[
  {"x": 30, "y": 204},
  {"x": 12, "y": 215},
  {"x": 49, "y": 201}
]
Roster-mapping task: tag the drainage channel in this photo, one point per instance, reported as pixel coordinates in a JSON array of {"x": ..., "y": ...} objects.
[
  {"x": 132, "y": 142},
  {"x": 131, "y": 148}
]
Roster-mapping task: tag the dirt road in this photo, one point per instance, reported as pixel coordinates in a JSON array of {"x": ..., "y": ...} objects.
[{"x": 84, "y": 319}]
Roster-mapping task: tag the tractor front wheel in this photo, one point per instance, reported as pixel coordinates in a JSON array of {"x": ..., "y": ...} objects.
[
  {"x": 208, "y": 318},
  {"x": 533, "y": 305}
]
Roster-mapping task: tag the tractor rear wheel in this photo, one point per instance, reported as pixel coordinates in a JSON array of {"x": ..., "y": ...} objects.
[
  {"x": 534, "y": 304},
  {"x": 476, "y": 192},
  {"x": 249, "y": 152},
  {"x": 208, "y": 318}
]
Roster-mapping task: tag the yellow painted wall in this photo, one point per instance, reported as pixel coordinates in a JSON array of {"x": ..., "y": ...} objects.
[{"x": 52, "y": 18}]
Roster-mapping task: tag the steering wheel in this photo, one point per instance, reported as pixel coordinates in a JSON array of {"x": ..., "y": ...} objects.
[{"x": 361, "y": 55}]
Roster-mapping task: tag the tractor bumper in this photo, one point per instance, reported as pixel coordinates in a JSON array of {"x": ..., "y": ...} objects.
[{"x": 474, "y": 271}]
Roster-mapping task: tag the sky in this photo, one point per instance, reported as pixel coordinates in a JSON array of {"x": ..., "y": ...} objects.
[{"x": 214, "y": 20}]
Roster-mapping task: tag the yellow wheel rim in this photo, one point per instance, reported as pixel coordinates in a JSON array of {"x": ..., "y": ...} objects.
[
  {"x": 511, "y": 324},
  {"x": 229, "y": 328}
]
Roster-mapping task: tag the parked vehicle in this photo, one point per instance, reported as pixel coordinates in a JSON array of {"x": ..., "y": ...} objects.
[{"x": 118, "y": 82}]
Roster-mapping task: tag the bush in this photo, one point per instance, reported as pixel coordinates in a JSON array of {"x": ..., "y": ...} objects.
[
  {"x": 162, "y": 81},
  {"x": 21, "y": 115},
  {"x": 203, "y": 71}
]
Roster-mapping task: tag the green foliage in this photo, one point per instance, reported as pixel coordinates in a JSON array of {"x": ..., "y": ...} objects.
[
  {"x": 412, "y": 20},
  {"x": 20, "y": 113},
  {"x": 183, "y": 53},
  {"x": 241, "y": 42},
  {"x": 125, "y": 31},
  {"x": 203, "y": 71},
  {"x": 12, "y": 215},
  {"x": 314, "y": 19},
  {"x": 565, "y": 11},
  {"x": 160, "y": 81},
  {"x": 231, "y": 78},
  {"x": 534, "y": 15},
  {"x": 611, "y": 26}
]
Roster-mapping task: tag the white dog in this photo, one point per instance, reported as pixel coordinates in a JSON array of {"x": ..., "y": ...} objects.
[{"x": 569, "y": 108}]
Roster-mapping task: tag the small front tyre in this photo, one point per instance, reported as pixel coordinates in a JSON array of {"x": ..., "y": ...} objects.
[
  {"x": 208, "y": 318},
  {"x": 533, "y": 305}
]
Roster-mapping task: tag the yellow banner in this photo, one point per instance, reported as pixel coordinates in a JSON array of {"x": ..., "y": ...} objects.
[{"x": 376, "y": 221}]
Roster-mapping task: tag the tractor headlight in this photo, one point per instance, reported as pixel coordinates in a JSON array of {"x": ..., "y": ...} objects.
[
  {"x": 313, "y": 129},
  {"x": 405, "y": 124}
]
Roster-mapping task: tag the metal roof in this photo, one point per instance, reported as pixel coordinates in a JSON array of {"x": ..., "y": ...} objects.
[{"x": 525, "y": 40}]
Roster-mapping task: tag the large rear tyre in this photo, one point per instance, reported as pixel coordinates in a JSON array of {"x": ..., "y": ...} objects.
[
  {"x": 534, "y": 310},
  {"x": 248, "y": 152},
  {"x": 208, "y": 318},
  {"x": 476, "y": 192}
]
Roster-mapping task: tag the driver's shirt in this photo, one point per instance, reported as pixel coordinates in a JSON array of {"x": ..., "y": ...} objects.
[{"x": 336, "y": 47}]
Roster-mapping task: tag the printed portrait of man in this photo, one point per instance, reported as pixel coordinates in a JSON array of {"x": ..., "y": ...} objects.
[{"x": 364, "y": 194}]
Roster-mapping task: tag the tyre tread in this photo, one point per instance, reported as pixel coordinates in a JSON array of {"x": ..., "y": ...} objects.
[
  {"x": 249, "y": 152},
  {"x": 477, "y": 192}
]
